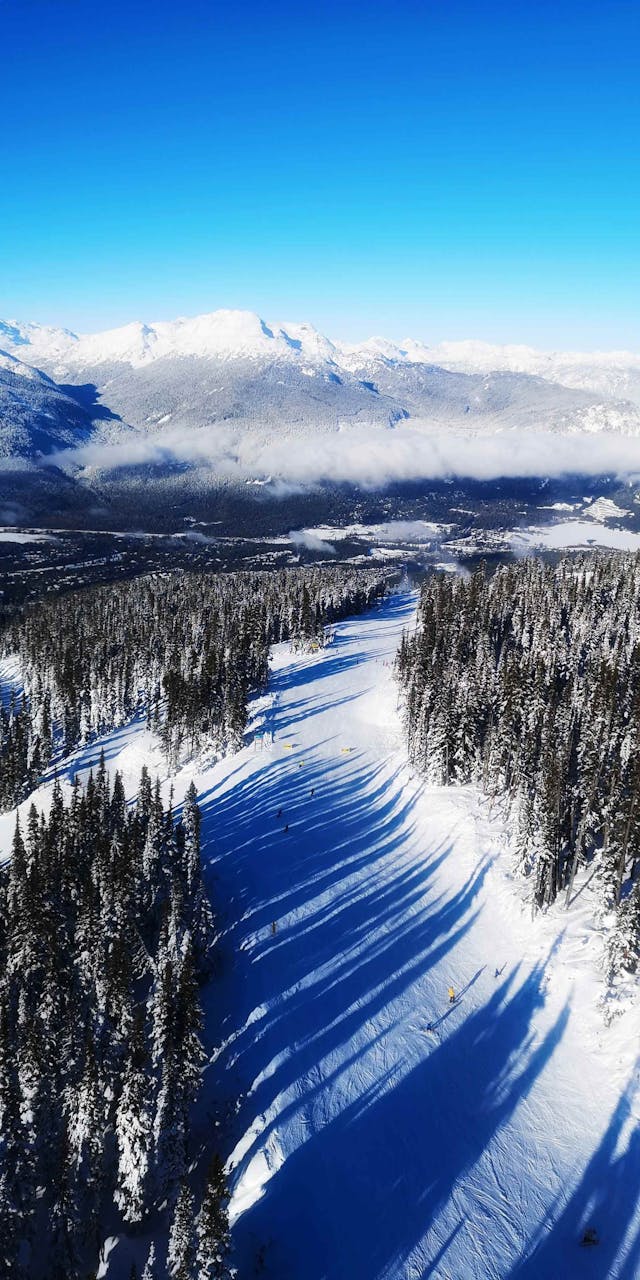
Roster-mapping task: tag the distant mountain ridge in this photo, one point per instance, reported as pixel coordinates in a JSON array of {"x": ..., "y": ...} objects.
[
  {"x": 233, "y": 366},
  {"x": 243, "y": 334},
  {"x": 167, "y": 417}
]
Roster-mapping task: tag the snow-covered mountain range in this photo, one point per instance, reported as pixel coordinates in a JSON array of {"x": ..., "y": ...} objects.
[
  {"x": 227, "y": 398},
  {"x": 243, "y": 334},
  {"x": 232, "y": 365}
]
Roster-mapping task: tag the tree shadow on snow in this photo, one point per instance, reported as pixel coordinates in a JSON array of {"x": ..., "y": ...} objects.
[
  {"x": 358, "y": 1197},
  {"x": 304, "y": 668},
  {"x": 329, "y": 924},
  {"x": 607, "y": 1198},
  {"x": 359, "y": 920}
]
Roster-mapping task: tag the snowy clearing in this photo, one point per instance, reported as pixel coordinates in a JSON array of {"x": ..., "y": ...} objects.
[
  {"x": 605, "y": 509},
  {"x": 369, "y": 1147},
  {"x": 419, "y": 531},
  {"x": 17, "y": 535},
  {"x": 574, "y": 533}
]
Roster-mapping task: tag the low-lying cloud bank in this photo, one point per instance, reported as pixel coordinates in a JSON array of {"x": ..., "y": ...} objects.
[
  {"x": 311, "y": 542},
  {"x": 370, "y": 457}
]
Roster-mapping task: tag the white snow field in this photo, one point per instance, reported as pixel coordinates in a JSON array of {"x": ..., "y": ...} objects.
[
  {"x": 574, "y": 533},
  {"x": 367, "y": 1146}
]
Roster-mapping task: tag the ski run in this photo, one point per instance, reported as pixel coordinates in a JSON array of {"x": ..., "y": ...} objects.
[{"x": 382, "y": 1132}]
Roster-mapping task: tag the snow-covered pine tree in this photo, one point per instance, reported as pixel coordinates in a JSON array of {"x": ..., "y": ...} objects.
[
  {"x": 181, "y": 1254},
  {"x": 528, "y": 682},
  {"x": 97, "y": 967},
  {"x": 133, "y": 1130},
  {"x": 186, "y": 651},
  {"x": 212, "y": 1226},
  {"x": 150, "y": 1271}
]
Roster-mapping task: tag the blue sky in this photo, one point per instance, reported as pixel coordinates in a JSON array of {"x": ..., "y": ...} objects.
[{"x": 444, "y": 168}]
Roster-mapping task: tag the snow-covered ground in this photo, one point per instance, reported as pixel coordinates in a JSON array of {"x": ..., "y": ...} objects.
[
  {"x": 16, "y": 535},
  {"x": 418, "y": 531},
  {"x": 351, "y": 896},
  {"x": 605, "y": 509},
  {"x": 574, "y": 533}
]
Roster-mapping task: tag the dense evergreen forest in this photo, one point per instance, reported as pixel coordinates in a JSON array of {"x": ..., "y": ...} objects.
[
  {"x": 183, "y": 650},
  {"x": 106, "y": 930},
  {"x": 105, "y": 933},
  {"x": 527, "y": 683}
]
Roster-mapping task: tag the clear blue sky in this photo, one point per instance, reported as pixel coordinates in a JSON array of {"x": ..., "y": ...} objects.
[{"x": 444, "y": 168}]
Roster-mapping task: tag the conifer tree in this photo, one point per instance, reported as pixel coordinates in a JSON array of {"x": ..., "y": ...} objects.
[
  {"x": 181, "y": 1254},
  {"x": 150, "y": 1272},
  {"x": 527, "y": 682},
  {"x": 133, "y": 1129},
  {"x": 212, "y": 1226}
]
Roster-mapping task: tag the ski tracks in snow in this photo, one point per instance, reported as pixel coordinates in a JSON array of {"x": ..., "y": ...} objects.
[
  {"x": 368, "y": 1147},
  {"x": 350, "y": 896}
]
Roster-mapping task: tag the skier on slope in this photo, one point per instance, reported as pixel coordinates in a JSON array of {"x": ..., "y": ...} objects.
[
  {"x": 274, "y": 926},
  {"x": 452, "y": 996},
  {"x": 279, "y": 813}
]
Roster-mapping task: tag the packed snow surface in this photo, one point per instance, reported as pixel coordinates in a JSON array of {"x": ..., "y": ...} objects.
[{"x": 351, "y": 896}]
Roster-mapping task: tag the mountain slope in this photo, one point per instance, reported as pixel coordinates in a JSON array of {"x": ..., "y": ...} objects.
[
  {"x": 613, "y": 374},
  {"x": 373, "y": 1148},
  {"x": 36, "y": 416},
  {"x": 233, "y": 366},
  {"x": 366, "y": 1147},
  {"x": 158, "y": 422}
]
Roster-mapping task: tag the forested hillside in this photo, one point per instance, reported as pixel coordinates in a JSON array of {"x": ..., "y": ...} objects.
[
  {"x": 528, "y": 684},
  {"x": 183, "y": 650},
  {"x": 153, "y": 1041},
  {"x": 105, "y": 933},
  {"x": 106, "y": 930}
]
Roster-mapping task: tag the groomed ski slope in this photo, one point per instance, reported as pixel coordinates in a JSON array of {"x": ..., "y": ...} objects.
[
  {"x": 366, "y": 1146},
  {"x": 372, "y": 1148}
]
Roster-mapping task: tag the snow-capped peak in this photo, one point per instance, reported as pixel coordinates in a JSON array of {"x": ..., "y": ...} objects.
[
  {"x": 131, "y": 344},
  {"x": 308, "y": 341},
  {"x": 224, "y": 334},
  {"x": 378, "y": 348},
  {"x": 234, "y": 334},
  {"x": 31, "y": 340},
  {"x": 220, "y": 333}
]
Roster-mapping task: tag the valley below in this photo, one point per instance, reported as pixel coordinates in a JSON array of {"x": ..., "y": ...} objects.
[
  {"x": 224, "y": 424},
  {"x": 446, "y": 525}
]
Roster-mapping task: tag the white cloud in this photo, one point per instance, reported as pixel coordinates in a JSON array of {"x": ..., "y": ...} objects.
[
  {"x": 369, "y": 456},
  {"x": 306, "y": 538},
  {"x": 194, "y": 535}
]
